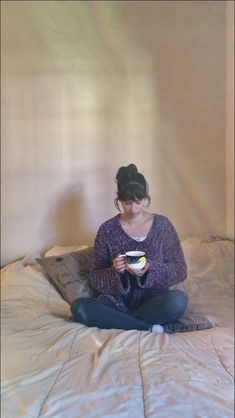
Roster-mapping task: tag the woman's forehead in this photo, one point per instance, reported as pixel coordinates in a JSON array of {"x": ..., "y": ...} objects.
[{"x": 133, "y": 200}]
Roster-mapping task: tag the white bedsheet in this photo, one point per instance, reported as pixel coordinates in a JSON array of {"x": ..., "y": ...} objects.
[{"x": 53, "y": 367}]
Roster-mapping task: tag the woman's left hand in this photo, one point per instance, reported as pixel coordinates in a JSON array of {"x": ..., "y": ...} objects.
[{"x": 137, "y": 272}]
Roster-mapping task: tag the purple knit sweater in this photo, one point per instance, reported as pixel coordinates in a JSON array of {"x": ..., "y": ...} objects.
[{"x": 163, "y": 251}]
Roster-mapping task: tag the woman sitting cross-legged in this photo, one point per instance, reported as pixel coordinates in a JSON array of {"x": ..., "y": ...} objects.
[{"x": 131, "y": 298}]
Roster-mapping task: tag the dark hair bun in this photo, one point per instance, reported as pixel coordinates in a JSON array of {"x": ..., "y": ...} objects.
[{"x": 126, "y": 174}]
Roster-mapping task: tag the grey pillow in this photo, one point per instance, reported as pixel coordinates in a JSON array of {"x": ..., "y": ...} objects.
[{"x": 69, "y": 273}]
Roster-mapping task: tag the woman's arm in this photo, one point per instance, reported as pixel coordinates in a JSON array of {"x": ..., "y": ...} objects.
[
  {"x": 103, "y": 276},
  {"x": 172, "y": 270}
]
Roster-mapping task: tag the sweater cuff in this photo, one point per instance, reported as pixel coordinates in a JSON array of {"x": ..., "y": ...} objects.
[
  {"x": 141, "y": 281},
  {"x": 122, "y": 280}
]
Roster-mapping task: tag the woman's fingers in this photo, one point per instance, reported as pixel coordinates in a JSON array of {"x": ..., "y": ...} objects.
[
  {"x": 146, "y": 267},
  {"x": 139, "y": 273},
  {"x": 119, "y": 264}
]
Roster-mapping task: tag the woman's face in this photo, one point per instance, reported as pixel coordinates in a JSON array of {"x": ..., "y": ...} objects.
[{"x": 132, "y": 208}]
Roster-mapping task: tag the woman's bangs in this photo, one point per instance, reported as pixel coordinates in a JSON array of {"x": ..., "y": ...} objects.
[{"x": 133, "y": 194}]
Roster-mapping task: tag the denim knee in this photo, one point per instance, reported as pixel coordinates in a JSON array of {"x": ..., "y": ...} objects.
[
  {"x": 179, "y": 301},
  {"x": 79, "y": 308}
]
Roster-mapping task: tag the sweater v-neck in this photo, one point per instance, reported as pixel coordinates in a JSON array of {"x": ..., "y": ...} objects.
[{"x": 148, "y": 236}]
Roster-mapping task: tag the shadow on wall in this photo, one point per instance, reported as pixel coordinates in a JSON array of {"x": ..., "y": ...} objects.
[{"x": 68, "y": 222}]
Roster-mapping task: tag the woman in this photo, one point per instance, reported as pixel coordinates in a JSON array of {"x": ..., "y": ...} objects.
[{"x": 128, "y": 298}]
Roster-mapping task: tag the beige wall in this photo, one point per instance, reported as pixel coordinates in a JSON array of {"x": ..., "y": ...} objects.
[{"x": 89, "y": 86}]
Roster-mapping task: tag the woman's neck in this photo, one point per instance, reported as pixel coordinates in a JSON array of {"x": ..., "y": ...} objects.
[{"x": 134, "y": 219}]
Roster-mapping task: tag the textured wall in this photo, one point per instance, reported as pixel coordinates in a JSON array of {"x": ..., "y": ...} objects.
[{"x": 89, "y": 86}]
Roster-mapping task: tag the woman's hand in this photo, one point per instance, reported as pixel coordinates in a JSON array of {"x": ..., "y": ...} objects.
[
  {"x": 119, "y": 263},
  {"x": 137, "y": 272}
]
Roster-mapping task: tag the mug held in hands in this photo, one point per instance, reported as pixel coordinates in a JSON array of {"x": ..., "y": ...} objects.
[{"x": 135, "y": 259}]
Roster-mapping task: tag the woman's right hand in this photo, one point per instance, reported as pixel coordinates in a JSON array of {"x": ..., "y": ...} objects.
[{"x": 119, "y": 263}]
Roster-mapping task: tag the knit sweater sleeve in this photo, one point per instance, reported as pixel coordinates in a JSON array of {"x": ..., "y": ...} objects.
[
  {"x": 172, "y": 269},
  {"x": 103, "y": 276}
]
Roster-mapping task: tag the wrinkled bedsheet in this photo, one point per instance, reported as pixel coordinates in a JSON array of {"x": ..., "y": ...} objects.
[{"x": 53, "y": 367}]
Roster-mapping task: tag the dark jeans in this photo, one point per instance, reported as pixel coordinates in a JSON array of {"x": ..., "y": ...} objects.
[{"x": 161, "y": 309}]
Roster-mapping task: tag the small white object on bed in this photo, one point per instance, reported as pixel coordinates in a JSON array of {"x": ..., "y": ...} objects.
[{"x": 54, "y": 367}]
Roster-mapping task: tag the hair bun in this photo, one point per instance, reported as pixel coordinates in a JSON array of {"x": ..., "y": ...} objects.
[
  {"x": 131, "y": 170},
  {"x": 127, "y": 173}
]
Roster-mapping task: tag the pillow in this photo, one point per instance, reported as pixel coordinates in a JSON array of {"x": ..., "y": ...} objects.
[
  {"x": 209, "y": 284},
  {"x": 69, "y": 273},
  {"x": 61, "y": 249}
]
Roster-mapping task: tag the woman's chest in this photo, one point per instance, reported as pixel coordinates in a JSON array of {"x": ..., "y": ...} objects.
[{"x": 137, "y": 229}]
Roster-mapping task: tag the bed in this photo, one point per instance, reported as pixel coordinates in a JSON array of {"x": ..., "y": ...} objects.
[{"x": 54, "y": 367}]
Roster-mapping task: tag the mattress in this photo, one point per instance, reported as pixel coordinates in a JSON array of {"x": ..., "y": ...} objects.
[{"x": 54, "y": 367}]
